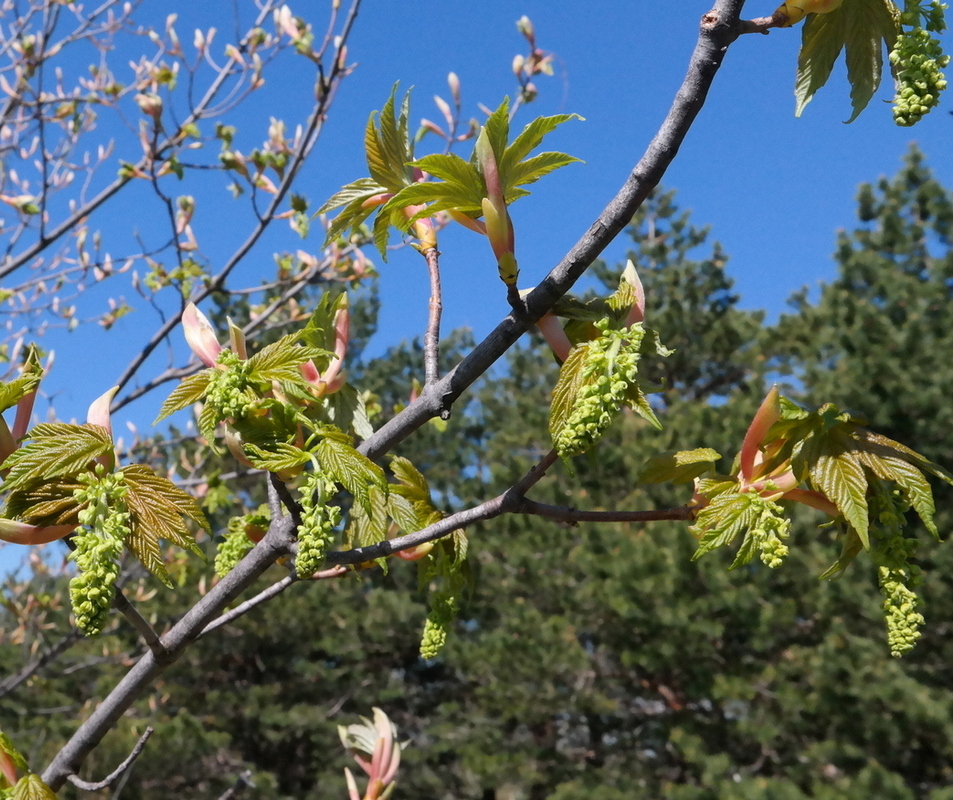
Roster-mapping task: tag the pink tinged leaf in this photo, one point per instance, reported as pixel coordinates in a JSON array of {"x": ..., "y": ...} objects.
[
  {"x": 310, "y": 372},
  {"x": 8, "y": 770},
  {"x": 233, "y": 441},
  {"x": 773, "y": 485},
  {"x": 376, "y": 759},
  {"x": 352, "y": 791},
  {"x": 98, "y": 413},
  {"x": 24, "y": 412},
  {"x": 12, "y": 530},
  {"x": 637, "y": 312},
  {"x": 200, "y": 335},
  {"x": 552, "y": 330},
  {"x": 813, "y": 499},
  {"x": 363, "y": 763},
  {"x": 497, "y": 229},
  {"x": 490, "y": 170},
  {"x": 393, "y": 763},
  {"x": 767, "y": 415},
  {"x": 236, "y": 340},
  {"x": 475, "y": 225},
  {"x": 385, "y": 741},
  {"x": 7, "y": 442},
  {"x": 377, "y": 200}
]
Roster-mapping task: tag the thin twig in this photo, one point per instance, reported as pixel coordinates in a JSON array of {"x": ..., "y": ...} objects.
[
  {"x": 314, "y": 127},
  {"x": 130, "y": 612},
  {"x": 242, "y": 782},
  {"x": 432, "y": 336},
  {"x": 11, "y": 682},
  {"x": 272, "y": 591},
  {"x": 566, "y": 514},
  {"x": 267, "y": 594},
  {"x": 13, "y": 263},
  {"x": 112, "y": 777}
]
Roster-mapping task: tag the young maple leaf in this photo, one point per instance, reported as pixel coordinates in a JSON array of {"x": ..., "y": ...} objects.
[
  {"x": 488, "y": 183},
  {"x": 389, "y": 151}
]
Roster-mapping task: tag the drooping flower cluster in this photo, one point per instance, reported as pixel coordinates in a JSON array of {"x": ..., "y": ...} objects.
[
  {"x": 609, "y": 371},
  {"x": 318, "y": 520},
  {"x": 917, "y": 60},
  {"x": 104, "y": 526}
]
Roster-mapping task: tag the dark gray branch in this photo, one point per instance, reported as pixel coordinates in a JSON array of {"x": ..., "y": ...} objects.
[
  {"x": 117, "y": 773},
  {"x": 719, "y": 28}
]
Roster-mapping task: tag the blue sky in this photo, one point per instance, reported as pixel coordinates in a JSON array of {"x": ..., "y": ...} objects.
[{"x": 773, "y": 188}]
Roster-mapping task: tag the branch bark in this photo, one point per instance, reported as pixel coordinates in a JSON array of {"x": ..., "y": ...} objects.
[{"x": 719, "y": 28}]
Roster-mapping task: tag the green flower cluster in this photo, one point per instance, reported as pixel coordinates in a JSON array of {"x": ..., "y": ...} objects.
[
  {"x": 900, "y": 607},
  {"x": 610, "y": 371},
  {"x": 318, "y": 521},
  {"x": 104, "y": 525},
  {"x": 234, "y": 546},
  {"x": 917, "y": 59},
  {"x": 228, "y": 390},
  {"x": 443, "y": 611},
  {"x": 770, "y": 531},
  {"x": 896, "y": 575}
]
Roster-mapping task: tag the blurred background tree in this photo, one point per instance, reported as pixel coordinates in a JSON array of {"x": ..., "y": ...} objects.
[{"x": 594, "y": 661}]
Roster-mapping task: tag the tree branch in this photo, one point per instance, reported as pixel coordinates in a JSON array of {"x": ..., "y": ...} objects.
[
  {"x": 275, "y": 544},
  {"x": 719, "y": 28},
  {"x": 117, "y": 773},
  {"x": 130, "y": 612},
  {"x": 432, "y": 336}
]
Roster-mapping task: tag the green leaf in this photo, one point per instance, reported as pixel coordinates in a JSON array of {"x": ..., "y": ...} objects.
[
  {"x": 834, "y": 468},
  {"x": 850, "y": 549},
  {"x": 914, "y": 484},
  {"x": 280, "y": 457},
  {"x": 31, "y": 787},
  {"x": 636, "y": 400},
  {"x": 860, "y": 27},
  {"x": 720, "y": 522},
  {"x": 355, "y": 472},
  {"x": 161, "y": 492},
  {"x": 679, "y": 467},
  {"x": 358, "y": 190},
  {"x": 7, "y": 748},
  {"x": 567, "y": 388},
  {"x": 529, "y": 139},
  {"x": 346, "y": 410},
  {"x": 189, "y": 391},
  {"x": 497, "y": 127},
  {"x": 533, "y": 169},
  {"x": 454, "y": 170},
  {"x": 369, "y": 521},
  {"x": 56, "y": 449},
  {"x": 410, "y": 477},
  {"x": 404, "y": 513},
  {"x": 279, "y": 361}
]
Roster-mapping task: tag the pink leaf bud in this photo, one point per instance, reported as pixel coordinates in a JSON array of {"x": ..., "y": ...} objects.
[
  {"x": 766, "y": 416},
  {"x": 200, "y": 335},
  {"x": 98, "y": 413},
  {"x": 637, "y": 311},
  {"x": 454, "y": 83},
  {"x": 236, "y": 341}
]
